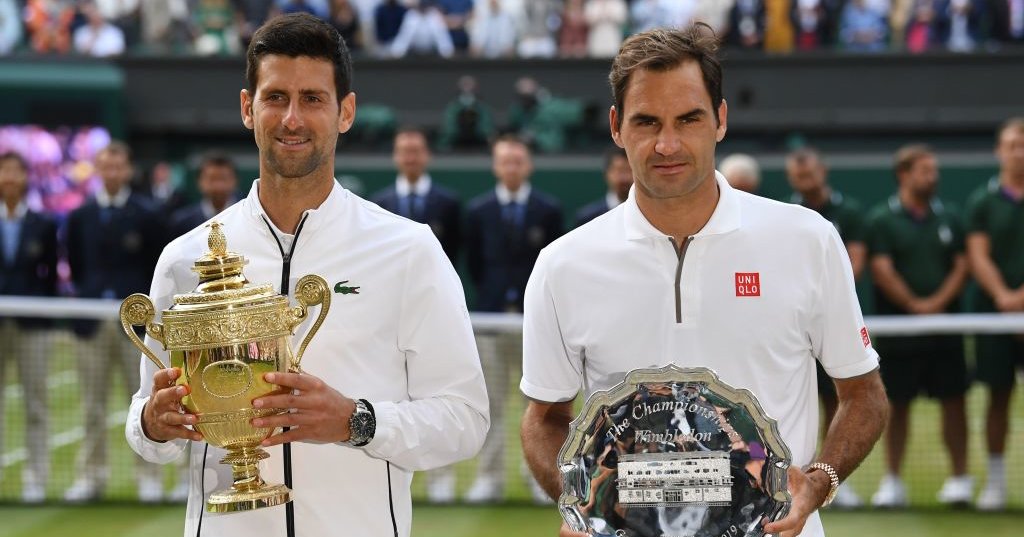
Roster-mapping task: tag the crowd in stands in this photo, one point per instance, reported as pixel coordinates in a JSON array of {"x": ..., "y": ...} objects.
[{"x": 509, "y": 28}]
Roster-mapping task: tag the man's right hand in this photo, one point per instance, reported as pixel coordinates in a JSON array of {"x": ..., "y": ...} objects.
[{"x": 163, "y": 417}]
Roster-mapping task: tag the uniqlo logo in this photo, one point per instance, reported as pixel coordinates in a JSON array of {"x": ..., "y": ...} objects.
[
  {"x": 864, "y": 336},
  {"x": 748, "y": 284}
]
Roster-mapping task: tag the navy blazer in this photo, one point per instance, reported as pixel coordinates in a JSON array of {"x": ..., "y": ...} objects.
[
  {"x": 34, "y": 269},
  {"x": 185, "y": 219},
  {"x": 442, "y": 211},
  {"x": 591, "y": 211},
  {"x": 499, "y": 256},
  {"x": 118, "y": 253}
]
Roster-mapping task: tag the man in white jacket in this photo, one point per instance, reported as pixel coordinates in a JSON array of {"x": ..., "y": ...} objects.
[{"x": 397, "y": 345}]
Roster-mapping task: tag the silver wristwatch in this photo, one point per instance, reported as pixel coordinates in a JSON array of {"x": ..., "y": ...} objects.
[{"x": 362, "y": 424}]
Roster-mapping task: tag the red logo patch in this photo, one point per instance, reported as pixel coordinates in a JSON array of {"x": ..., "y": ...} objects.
[
  {"x": 748, "y": 284},
  {"x": 864, "y": 336}
]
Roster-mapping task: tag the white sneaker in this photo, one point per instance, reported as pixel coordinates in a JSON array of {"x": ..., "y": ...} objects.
[
  {"x": 179, "y": 494},
  {"x": 890, "y": 493},
  {"x": 957, "y": 490},
  {"x": 484, "y": 490},
  {"x": 441, "y": 487},
  {"x": 33, "y": 493},
  {"x": 846, "y": 497},
  {"x": 150, "y": 490},
  {"x": 82, "y": 490},
  {"x": 992, "y": 497}
]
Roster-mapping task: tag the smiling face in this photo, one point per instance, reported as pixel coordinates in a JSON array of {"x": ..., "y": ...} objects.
[
  {"x": 296, "y": 116},
  {"x": 669, "y": 131}
]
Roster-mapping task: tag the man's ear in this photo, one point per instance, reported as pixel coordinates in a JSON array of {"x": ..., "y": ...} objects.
[
  {"x": 723, "y": 121},
  {"x": 613, "y": 125},
  {"x": 347, "y": 113},
  {"x": 246, "y": 104}
]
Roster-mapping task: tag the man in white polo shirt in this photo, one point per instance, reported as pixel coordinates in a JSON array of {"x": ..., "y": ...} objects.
[{"x": 692, "y": 272}]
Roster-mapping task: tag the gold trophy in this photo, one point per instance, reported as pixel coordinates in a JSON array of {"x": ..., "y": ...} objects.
[{"x": 225, "y": 336}]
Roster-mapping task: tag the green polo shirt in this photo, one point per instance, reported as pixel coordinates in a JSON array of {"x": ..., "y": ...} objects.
[
  {"x": 844, "y": 213},
  {"x": 922, "y": 249},
  {"x": 992, "y": 211}
]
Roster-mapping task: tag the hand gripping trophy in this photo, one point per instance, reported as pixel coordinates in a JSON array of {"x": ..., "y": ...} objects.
[{"x": 225, "y": 336}]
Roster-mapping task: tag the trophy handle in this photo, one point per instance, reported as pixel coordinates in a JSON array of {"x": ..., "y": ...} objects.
[
  {"x": 309, "y": 291},
  {"x": 138, "y": 310}
]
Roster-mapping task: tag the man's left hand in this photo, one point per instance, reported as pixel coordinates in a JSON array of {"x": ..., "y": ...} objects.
[
  {"x": 317, "y": 412},
  {"x": 809, "y": 491}
]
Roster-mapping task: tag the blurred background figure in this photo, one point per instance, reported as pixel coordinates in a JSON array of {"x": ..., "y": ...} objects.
[
  {"x": 468, "y": 122},
  {"x": 28, "y": 259},
  {"x": 112, "y": 243},
  {"x": 863, "y": 26},
  {"x": 742, "y": 172},
  {"x": 10, "y": 26},
  {"x": 505, "y": 232},
  {"x": 746, "y": 24},
  {"x": 457, "y": 14},
  {"x": 1008, "y": 21},
  {"x": 217, "y": 182},
  {"x": 572, "y": 34},
  {"x": 494, "y": 31},
  {"x": 618, "y": 176},
  {"x": 423, "y": 32},
  {"x": 164, "y": 187},
  {"x": 345, "y": 20},
  {"x": 97, "y": 37},
  {"x": 214, "y": 28},
  {"x": 918, "y": 267},
  {"x": 48, "y": 25},
  {"x": 538, "y": 26},
  {"x": 605, "y": 19},
  {"x": 387, "y": 20}
]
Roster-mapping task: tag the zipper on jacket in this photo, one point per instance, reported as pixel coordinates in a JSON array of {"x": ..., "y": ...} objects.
[{"x": 681, "y": 255}]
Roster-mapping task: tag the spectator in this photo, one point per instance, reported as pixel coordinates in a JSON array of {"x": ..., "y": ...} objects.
[
  {"x": 778, "y": 28},
  {"x": 505, "y": 232},
  {"x": 647, "y": 15},
  {"x": 423, "y": 32},
  {"x": 918, "y": 267},
  {"x": 345, "y": 19},
  {"x": 920, "y": 30},
  {"x": 164, "y": 24},
  {"x": 387, "y": 21},
  {"x": 714, "y": 13},
  {"x": 494, "y": 31},
  {"x": 214, "y": 26},
  {"x": 251, "y": 14},
  {"x": 112, "y": 242},
  {"x": 218, "y": 188},
  {"x": 572, "y": 34},
  {"x": 618, "y": 176},
  {"x": 1008, "y": 21},
  {"x": 48, "y": 23},
  {"x": 678, "y": 13},
  {"x": 901, "y": 14},
  {"x": 28, "y": 257},
  {"x": 317, "y": 8},
  {"x": 125, "y": 15},
  {"x": 995, "y": 250},
  {"x": 366, "y": 10},
  {"x": 537, "y": 27},
  {"x": 457, "y": 14},
  {"x": 467, "y": 123},
  {"x": 958, "y": 24},
  {"x": 10, "y": 26},
  {"x": 97, "y": 37},
  {"x": 742, "y": 172},
  {"x": 163, "y": 188},
  {"x": 746, "y": 23},
  {"x": 863, "y": 27},
  {"x": 808, "y": 176},
  {"x": 606, "y": 19}
]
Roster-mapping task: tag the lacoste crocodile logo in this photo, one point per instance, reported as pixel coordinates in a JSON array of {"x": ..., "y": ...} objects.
[{"x": 340, "y": 287}]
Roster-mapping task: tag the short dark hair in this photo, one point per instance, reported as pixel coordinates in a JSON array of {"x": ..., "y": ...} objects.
[
  {"x": 300, "y": 34},
  {"x": 1014, "y": 123},
  {"x": 511, "y": 138},
  {"x": 665, "y": 49},
  {"x": 16, "y": 157},
  {"x": 613, "y": 153},
  {"x": 803, "y": 154},
  {"x": 117, "y": 147},
  {"x": 216, "y": 157},
  {"x": 909, "y": 154},
  {"x": 411, "y": 129}
]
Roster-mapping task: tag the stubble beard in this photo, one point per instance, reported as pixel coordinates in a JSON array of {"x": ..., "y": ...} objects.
[{"x": 296, "y": 167}]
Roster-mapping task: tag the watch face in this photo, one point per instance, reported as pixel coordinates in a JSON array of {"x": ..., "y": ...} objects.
[{"x": 362, "y": 426}]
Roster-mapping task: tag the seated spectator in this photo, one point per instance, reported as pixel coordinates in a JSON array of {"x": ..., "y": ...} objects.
[
  {"x": 467, "y": 123},
  {"x": 863, "y": 26},
  {"x": 456, "y": 17},
  {"x": 164, "y": 24},
  {"x": 537, "y": 28},
  {"x": 958, "y": 24},
  {"x": 345, "y": 19},
  {"x": 742, "y": 172},
  {"x": 49, "y": 25},
  {"x": 572, "y": 35},
  {"x": 251, "y": 14},
  {"x": 387, "y": 20},
  {"x": 215, "y": 31},
  {"x": 366, "y": 9},
  {"x": 920, "y": 31},
  {"x": 814, "y": 23},
  {"x": 97, "y": 37},
  {"x": 606, "y": 19},
  {"x": 121, "y": 13},
  {"x": 1008, "y": 21},
  {"x": 10, "y": 26},
  {"x": 778, "y": 27},
  {"x": 423, "y": 32},
  {"x": 318, "y": 8},
  {"x": 746, "y": 23},
  {"x": 493, "y": 31}
]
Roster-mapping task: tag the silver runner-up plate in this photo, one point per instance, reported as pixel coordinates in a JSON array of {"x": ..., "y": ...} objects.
[{"x": 673, "y": 452}]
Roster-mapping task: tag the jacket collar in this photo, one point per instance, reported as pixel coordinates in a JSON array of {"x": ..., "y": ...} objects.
[
  {"x": 404, "y": 188},
  {"x": 505, "y": 196},
  {"x": 314, "y": 218},
  {"x": 724, "y": 219}
]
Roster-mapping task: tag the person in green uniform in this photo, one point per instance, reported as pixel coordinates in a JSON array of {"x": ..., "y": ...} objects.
[
  {"x": 917, "y": 260},
  {"x": 808, "y": 177},
  {"x": 995, "y": 251}
]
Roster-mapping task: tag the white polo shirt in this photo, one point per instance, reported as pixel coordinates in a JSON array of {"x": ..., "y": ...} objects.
[{"x": 763, "y": 290}]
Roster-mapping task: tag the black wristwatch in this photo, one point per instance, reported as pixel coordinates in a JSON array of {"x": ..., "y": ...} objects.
[{"x": 362, "y": 424}]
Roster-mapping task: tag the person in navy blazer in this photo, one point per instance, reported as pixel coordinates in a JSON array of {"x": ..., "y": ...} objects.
[
  {"x": 28, "y": 267},
  {"x": 218, "y": 186},
  {"x": 416, "y": 197},
  {"x": 506, "y": 229},
  {"x": 619, "y": 178},
  {"x": 112, "y": 241}
]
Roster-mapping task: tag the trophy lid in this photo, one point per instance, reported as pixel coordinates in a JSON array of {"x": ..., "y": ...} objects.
[{"x": 221, "y": 282}]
